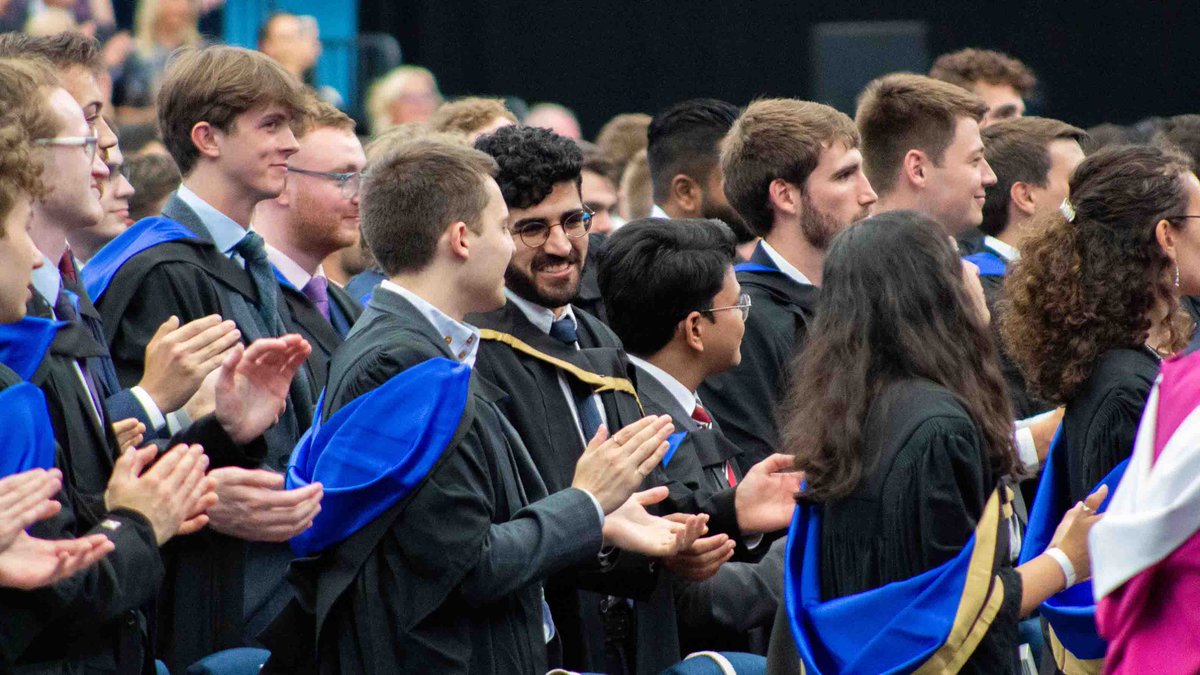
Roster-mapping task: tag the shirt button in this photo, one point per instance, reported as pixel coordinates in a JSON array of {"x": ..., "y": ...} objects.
[
  {"x": 462, "y": 355},
  {"x": 448, "y": 340}
]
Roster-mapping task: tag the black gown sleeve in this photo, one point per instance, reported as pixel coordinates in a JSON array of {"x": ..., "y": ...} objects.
[{"x": 1109, "y": 438}]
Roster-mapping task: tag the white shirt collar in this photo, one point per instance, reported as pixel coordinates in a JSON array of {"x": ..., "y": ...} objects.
[
  {"x": 688, "y": 400},
  {"x": 784, "y": 266},
  {"x": 226, "y": 233},
  {"x": 290, "y": 269},
  {"x": 1009, "y": 253},
  {"x": 47, "y": 280},
  {"x": 461, "y": 339},
  {"x": 656, "y": 211},
  {"x": 539, "y": 316}
]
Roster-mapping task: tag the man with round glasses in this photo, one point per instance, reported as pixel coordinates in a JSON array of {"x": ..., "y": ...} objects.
[{"x": 316, "y": 215}]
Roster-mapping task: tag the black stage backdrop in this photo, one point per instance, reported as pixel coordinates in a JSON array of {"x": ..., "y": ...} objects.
[{"x": 1112, "y": 60}]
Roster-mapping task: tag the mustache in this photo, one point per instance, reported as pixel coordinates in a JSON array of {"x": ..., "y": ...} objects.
[{"x": 543, "y": 260}]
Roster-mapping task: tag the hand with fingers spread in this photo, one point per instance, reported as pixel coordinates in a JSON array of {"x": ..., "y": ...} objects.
[
  {"x": 26, "y": 498},
  {"x": 703, "y": 558},
  {"x": 632, "y": 528},
  {"x": 129, "y": 433},
  {"x": 33, "y": 563},
  {"x": 172, "y": 494},
  {"x": 252, "y": 388},
  {"x": 612, "y": 468},
  {"x": 254, "y": 507},
  {"x": 765, "y": 499},
  {"x": 179, "y": 357}
]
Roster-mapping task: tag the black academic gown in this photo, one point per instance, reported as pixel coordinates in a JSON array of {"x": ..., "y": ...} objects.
[
  {"x": 588, "y": 297},
  {"x": 697, "y": 478},
  {"x": 744, "y": 399},
  {"x": 1025, "y": 404},
  {"x": 303, "y": 318},
  {"x": 449, "y": 579},
  {"x": 90, "y": 622},
  {"x": 219, "y": 591},
  {"x": 926, "y": 478},
  {"x": 1101, "y": 419},
  {"x": 542, "y": 416}
]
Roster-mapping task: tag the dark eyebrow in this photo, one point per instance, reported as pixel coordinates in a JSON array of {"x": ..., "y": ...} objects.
[
  {"x": 529, "y": 221},
  {"x": 1007, "y": 110}
]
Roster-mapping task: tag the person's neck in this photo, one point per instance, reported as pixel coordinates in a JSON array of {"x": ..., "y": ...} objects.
[
  {"x": 275, "y": 233},
  {"x": 672, "y": 209},
  {"x": 84, "y": 248},
  {"x": 789, "y": 241},
  {"x": 223, "y": 195},
  {"x": 897, "y": 200},
  {"x": 1011, "y": 234},
  {"x": 432, "y": 287},
  {"x": 47, "y": 236},
  {"x": 556, "y": 311},
  {"x": 680, "y": 363}
]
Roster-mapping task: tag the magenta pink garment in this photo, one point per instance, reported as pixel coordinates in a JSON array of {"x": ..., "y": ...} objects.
[{"x": 1152, "y": 622}]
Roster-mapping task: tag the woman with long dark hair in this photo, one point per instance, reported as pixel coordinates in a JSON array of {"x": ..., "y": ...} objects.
[
  {"x": 899, "y": 418},
  {"x": 1094, "y": 301}
]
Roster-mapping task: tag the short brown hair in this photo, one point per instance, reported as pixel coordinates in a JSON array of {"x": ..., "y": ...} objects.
[
  {"x": 777, "y": 138},
  {"x": 470, "y": 114},
  {"x": 621, "y": 138},
  {"x": 1018, "y": 150},
  {"x": 153, "y": 177},
  {"x": 410, "y": 196},
  {"x": 595, "y": 160},
  {"x": 901, "y": 112},
  {"x": 215, "y": 85},
  {"x": 62, "y": 51},
  {"x": 968, "y": 66},
  {"x": 322, "y": 115},
  {"x": 402, "y": 134}
]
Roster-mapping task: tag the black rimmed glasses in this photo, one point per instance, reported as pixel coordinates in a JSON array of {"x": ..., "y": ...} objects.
[
  {"x": 348, "y": 183},
  {"x": 575, "y": 224},
  {"x": 88, "y": 143},
  {"x": 743, "y": 307}
]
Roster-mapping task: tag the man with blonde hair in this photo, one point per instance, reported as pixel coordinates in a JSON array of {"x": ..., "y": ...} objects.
[
  {"x": 1000, "y": 80},
  {"x": 472, "y": 116},
  {"x": 922, "y": 150},
  {"x": 794, "y": 172}
]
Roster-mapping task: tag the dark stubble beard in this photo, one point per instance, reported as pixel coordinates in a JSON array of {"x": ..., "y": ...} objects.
[
  {"x": 820, "y": 228},
  {"x": 524, "y": 286}
]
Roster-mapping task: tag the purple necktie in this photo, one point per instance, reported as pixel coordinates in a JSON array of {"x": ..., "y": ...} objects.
[{"x": 317, "y": 290}]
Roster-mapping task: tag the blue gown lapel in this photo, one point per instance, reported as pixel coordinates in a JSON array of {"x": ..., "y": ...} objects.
[{"x": 141, "y": 236}]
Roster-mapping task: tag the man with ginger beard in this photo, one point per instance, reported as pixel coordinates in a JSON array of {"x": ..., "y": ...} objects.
[
  {"x": 794, "y": 172},
  {"x": 315, "y": 216}
]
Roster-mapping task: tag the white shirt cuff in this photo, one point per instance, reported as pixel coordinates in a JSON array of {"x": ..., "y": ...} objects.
[
  {"x": 752, "y": 542},
  {"x": 178, "y": 420},
  {"x": 1026, "y": 448},
  {"x": 152, "y": 411}
]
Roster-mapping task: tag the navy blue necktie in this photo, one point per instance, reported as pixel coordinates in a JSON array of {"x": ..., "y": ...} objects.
[
  {"x": 253, "y": 250},
  {"x": 589, "y": 417}
]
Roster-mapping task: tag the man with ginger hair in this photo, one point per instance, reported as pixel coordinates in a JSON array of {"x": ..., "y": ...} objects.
[
  {"x": 472, "y": 116},
  {"x": 794, "y": 172},
  {"x": 1000, "y": 80}
]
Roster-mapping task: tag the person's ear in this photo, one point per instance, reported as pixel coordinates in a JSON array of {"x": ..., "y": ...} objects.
[
  {"x": 458, "y": 240},
  {"x": 1165, "y": 233},
  {"x": 207, "y": 139},
  {"x": 784, "y": 197},
  {"x": 693, "y": 331},
  {"x": 1021, "y": 196},
  {"x": 686, "y": 193},
  {"x": 915, "y": 168}
]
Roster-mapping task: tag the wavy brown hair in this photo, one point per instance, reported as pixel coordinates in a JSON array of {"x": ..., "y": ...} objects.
[
  {"x": 893, "y": 307},
  {"x": 1086, "y": 286}
]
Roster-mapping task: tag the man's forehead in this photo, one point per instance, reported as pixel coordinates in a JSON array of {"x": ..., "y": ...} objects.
[
  {"x": 67, "y": 108},
  {"x": 81, "y": 83}
]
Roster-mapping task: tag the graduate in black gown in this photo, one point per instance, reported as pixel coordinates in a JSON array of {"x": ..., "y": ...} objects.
[
  {"x": 446, "y": 574},
  {"x": 794, "y": 172},
  {"x": 314, "y": 217},
  {"x": 1033, "y": 158},
  {"x": 677, "y": 305},
  {"x": 899, "y": 417},
  {"x": 226, "y": 115},
  {"x": 1094, "y": 302}
]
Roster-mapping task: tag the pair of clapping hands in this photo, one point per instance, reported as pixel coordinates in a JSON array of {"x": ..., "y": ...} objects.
[{"x": 612, "y": 468}]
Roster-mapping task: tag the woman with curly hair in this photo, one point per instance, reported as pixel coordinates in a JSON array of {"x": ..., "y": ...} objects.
[
  {"x": 1093, "y": 304},
  {"x": 900, "y": 554}
]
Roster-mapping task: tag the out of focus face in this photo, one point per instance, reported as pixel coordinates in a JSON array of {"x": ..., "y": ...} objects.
[
  {"x": 599, "y": 195},
  {"x": 18, "y": 258},
  {"x": 956, "y": 186},
  {"x": 1186, "y": 238},
  {"x": 1003, "y": 101},
  {"x": 417, "y": 100},
  {"x": 323, "y": 219},
  {"x": 970, "y": 273},
  {"x": 1065, "y": 155},
  {"x": 714, "y": 203}
]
